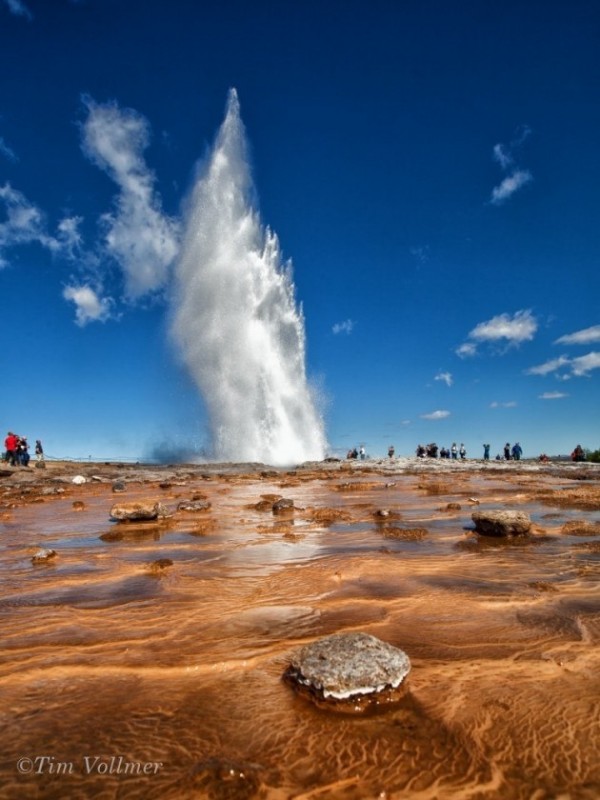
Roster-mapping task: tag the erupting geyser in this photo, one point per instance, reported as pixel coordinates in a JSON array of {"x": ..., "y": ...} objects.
[{"x": 236, "y": 319}]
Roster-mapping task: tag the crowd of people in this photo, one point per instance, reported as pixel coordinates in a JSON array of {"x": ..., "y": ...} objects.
[
  {"x": 357, "y": 453},
  {"x": 16, "y": 450},
  {"x": 433, "y": 451}
]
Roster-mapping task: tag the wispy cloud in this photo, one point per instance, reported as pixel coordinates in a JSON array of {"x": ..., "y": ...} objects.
[
  {"x": 421, "y": 253},
  {"x": 520, "y": 327},
  {"x": 446, "y": 377},
  {"x": 25, "y": 222},
  {"x": 18, "y": 8},
  {"x": 585, "y": 336},
  {"x": 466, "y": 350},
  {"x": 516, "y": 178},
  {"x": 552, "y": 395},
  {"x": 549, "y": 366},
  {"x": 568, "y": 367},
  {"x": 343, "y": 327},
  {"x": 511, "y": 184},
  {"x": 583, "y": 365},
  {"x": 436, "y": 415},
  {"x": 142, "y": 239},
  {"x": 69, "y": 237},
  {"x": 89, "y": 305},
  {"x": 509, "y": 404},
  {"x": 6, "y": 151},
  {"x": 504, "y": 328}
]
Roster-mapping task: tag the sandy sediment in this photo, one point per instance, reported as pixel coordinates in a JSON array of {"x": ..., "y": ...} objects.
[{"x": 163, "y": 643}]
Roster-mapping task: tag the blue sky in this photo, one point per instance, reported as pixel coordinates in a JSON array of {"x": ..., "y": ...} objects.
[{"x": 431, "y": 169}]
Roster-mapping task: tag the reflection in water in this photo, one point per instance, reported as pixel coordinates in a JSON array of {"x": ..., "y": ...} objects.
[{"x": 182, "y": 667}]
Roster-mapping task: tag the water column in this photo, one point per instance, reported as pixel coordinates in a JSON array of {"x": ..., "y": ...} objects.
[{"x": 236, "y": 320}]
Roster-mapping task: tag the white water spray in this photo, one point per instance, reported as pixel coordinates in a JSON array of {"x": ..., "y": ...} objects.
[{"x": 236, "y": 319}]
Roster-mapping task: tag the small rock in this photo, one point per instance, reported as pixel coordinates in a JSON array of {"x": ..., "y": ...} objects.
[
  {"x": 383, "y": 512},
  {"x": 160, "y": 564},
  {"x": 78, "y": 505},
  {"x": 344, "y": 665},
  {"x": 283, "y": 505},
  {"x": 78, "y": 479},
  {"x": 42, "y": 555},
  {"x": 119, "y": 486},
  {"x": 40, "y": 465},
  {"x": 501, "y": 523},
  {"x": 452, "y": 507},
  {"x": 580, "y": 527},
  {"x": 124, "y": 512},
  {"x": 193, "y": 505}
]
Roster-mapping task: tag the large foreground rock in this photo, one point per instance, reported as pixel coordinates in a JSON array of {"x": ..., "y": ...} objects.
[
  {"x": 348, "y": 664},
  {"x": 501, "y": 523},
  {"x": 135, "y": 512}
]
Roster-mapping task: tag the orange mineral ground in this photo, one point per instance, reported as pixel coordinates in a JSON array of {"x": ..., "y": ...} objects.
[{"x": 145, "y": 660}]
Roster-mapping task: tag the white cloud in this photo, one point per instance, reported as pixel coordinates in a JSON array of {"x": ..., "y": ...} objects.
[
  {"x": 573, "y": 367},
  {"x": 446, "y": 377},
  {"x": 7, "y": 151},
  {"x": 521, "y": 327},
  {"x": 548, "y": 366},
  {"x": 466, "y": 350},
  {"x": 68, "y": 236},
  {"x": 18, "y": 8},
  {"x": 142, "y": 239},
  {"x": 343, "y": 327},
  {"x": 25, "y": 222},
  {"x": 90, "y": 306},
  {"x": 509, "y": 404},
  {"x": 585, "y": 336},
  {"x": 503, "y": 156},
  {"x": 552, "y": 395},
  {"x": 511, "y": 184},
  {"x": 436, "y": 415},
  {"x": 585, "y": 364}
]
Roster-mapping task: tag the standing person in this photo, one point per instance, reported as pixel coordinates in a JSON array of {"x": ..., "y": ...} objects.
[
  {"x": 486, "y": 452},
  {"x": 507, "y": 451},
  {"x": 362, "y": 453},
  {"x": 578, "y": 454},
  {"x": 454, "y": 450},
  {"x": 517, "y": 451},
  {"x": 463, "y": 452},
  {"x": 391, "y": 451},
  {"x": 10, "y": 445},
  {"x": 23, "y": 452},
  {"x": 39, "y": 450}
]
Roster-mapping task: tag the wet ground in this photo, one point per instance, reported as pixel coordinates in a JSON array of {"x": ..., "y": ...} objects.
[{"x": 145, "y": 660}]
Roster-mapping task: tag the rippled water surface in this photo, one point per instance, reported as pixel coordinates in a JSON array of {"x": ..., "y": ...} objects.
[{"x": 178, "y": 669}]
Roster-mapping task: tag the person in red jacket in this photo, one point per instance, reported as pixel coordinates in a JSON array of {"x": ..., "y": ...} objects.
[{"x": 10, "y": 445}]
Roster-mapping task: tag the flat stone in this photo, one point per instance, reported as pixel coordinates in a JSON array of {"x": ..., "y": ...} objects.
[
  {"x": 283, "y": 505},
  {"x": 345, "y": 665},
  {"x": 42, "y": 555},
  {"x": 193, "y": 505},
  {"x": 124, "y": 512},
  {"x": 501, "y": 523}
]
